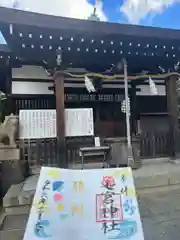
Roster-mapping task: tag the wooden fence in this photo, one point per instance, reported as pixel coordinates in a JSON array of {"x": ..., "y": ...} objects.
[
  {"x": 155, "y": 144},
  {"x": 44, "y": 151}
]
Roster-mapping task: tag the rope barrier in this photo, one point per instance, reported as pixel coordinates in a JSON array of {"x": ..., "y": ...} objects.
[{"x": 140, "y": 76}]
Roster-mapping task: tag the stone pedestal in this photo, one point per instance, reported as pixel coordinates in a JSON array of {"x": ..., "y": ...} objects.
[{"x": 11, "y": 171}]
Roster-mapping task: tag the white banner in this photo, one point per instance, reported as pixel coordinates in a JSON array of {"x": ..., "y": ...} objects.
[
  {"x": 42, "y": 123},
  {"x": 70, "y": 204}
]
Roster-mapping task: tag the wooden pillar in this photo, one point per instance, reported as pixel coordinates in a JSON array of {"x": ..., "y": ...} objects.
[
  {"x": 133, "y": 108},
  {"x": 60, "y": 119},
  {"x": 8, "y": 104},
  {"x": 172, "y": 108}
]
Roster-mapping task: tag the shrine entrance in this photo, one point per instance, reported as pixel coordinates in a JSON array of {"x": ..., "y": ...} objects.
[{"x": 60, "y": 43}]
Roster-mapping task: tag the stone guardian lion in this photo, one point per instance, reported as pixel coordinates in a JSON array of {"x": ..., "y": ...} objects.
[{"x": 8, "y": 129}]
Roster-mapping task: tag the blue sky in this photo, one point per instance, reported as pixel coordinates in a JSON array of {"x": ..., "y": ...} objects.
[
  {"x": 169, "y": 18},
  {"x": 158, "y": 13}
]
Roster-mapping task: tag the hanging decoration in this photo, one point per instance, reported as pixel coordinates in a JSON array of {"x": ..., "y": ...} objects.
[
  {"x": 152, "y": 86},
  {"x": 123, "y": 106},
  {"x": 88, "y": 84},
  {"x": 121, "y": 76}
]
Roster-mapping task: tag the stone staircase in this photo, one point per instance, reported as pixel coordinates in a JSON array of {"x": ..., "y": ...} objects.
[{"x": 15, "y": 212}]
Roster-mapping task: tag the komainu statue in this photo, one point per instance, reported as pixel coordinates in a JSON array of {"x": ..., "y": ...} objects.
[{"x": 8, "y": 129}]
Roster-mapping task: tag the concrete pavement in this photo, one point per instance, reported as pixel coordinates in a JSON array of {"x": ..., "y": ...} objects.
[
  {"x": 159, "y": 209},
  {"x": 160, "y": 213},
  {"x": 158, "y": 189}
]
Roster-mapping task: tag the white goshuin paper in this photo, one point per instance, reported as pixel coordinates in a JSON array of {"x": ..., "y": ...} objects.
[{"x": 70, "y": 204}]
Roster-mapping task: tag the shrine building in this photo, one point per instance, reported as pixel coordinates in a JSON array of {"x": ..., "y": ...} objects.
[{"x": 95, "y": 49}]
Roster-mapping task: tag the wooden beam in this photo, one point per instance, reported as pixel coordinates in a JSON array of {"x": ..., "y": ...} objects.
[
  {"x": 8, "y": 103},
  {"x": 60, "y": 119},
  {"x": 133, "y": 104},
  {"x": 172, "y": 107}
]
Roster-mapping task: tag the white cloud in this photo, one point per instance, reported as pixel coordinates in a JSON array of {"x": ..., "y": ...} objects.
[
  {"x": 136, "y": 10},
  {"x": 80, "y": 9}
]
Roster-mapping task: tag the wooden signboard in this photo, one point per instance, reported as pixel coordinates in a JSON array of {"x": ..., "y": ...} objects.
[{"x": 72, "y": 97}]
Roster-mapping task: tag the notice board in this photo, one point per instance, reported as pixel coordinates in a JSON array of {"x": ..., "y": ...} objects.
[{"x": 42, "y": 123}]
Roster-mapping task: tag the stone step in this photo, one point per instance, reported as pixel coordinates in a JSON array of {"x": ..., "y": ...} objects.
[
  {"x": 12, "y": 234},
  {"x": 21, "y": 209},
  {"x": 14, "y": 222},
  {"x": 12, "y": 227},
  {"x": 16, "y": 196},
  {"x": 11, "y": 197},
  {"x": 155, "y": 174}
]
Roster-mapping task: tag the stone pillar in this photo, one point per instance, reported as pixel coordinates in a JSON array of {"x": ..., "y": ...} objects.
[
  {"x": 172, "y": 108},
  {"x": 60, "y": 119},
  {"x": 11, "y": 168}
]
